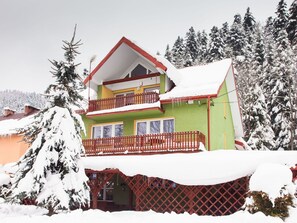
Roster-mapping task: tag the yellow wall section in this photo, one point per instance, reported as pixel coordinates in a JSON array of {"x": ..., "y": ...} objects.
[
  {"x": 11, "y": 148},
  {"x": 106, "y": 93}
]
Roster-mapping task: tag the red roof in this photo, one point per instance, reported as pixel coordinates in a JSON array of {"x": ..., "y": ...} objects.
[{"x": 134, "y": 47}]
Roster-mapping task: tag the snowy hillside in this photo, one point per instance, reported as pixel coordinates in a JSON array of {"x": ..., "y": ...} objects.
[{"x": 16, "y": 100}]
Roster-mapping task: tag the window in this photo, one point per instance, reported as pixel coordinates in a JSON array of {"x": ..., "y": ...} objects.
[
  {"x": 106, "y": 193},
  {"x": 139, "y": 70},
  {"x": 108, "y": 130},
  {"x": 155, "y": 126}
]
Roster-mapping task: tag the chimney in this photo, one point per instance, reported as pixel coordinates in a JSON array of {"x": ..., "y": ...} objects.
[
  {"x": 28, "y": 109},
  {"x": 8, "y": 111}
]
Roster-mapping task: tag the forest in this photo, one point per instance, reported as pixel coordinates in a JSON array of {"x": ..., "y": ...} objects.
[{"x": 264, "y": 58}]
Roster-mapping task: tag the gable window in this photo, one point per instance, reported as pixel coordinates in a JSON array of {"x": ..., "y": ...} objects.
[
  {"x": 139, "y": 70},
  {"x": 107, "y": 130},
  {"x": 155, "y": 126}
]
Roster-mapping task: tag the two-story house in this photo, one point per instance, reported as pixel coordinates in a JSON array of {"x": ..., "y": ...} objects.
[{"x": 144, "y": 104}]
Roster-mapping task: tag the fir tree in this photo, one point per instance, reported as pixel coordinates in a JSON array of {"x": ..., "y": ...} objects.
[
  {"x": 261, "y": 134},
  {"x": 249, "y": 21},
  {"x": 168, "y": 53},
  {"x": 237, "y": 38},
  {"x": 283, "y": 99},
  {"x": 292, "y": 23},
  {"x": 178, "y": 51},
  {"x": 216, "y": 45},
  {"x": 51, "y": 172},
  {"x": 281, "y": 20},
  {"x": 225, "y": 35},
  {"x": 191, "y": 46},
  {"x": 202, "y": 41}
]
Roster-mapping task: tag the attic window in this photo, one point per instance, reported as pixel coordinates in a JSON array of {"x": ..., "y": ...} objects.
[{"x": 139, "y": 70}]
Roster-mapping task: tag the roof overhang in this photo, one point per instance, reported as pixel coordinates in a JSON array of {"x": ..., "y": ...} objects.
[{"x": 122, "y": 55}]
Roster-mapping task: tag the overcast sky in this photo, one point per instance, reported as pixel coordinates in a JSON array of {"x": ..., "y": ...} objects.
[{"x": 31, "y": 31}]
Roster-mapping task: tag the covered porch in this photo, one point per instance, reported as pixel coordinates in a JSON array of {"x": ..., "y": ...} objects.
[{"x": 111, "y": 190}]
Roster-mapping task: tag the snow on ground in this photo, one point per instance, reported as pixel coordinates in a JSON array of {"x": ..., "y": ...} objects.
[
  {"x": 30, "y": 214},
  {"x": 204, "y": 168}
]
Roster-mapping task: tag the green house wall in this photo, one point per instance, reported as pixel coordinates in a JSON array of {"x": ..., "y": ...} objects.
[{"x": 188, "y": 117}]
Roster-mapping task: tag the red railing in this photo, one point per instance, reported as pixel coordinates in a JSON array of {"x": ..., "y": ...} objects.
[
  {"x": 150, "y": 143},
  {"x": 120, "y": 101}
]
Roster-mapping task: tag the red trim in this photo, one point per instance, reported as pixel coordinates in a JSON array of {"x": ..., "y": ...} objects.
[
  {"x": 123, "y": 112},
  {"x": 239, "y": 143},
  {"x": 134, "y": 47},
  {"x": 131, "y": 78},
  {"x": 208, "y": 123},
  {"x": 238, "y": 99}
]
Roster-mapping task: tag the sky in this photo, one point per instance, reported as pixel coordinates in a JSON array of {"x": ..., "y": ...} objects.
[{"x": 31, "y": 31}]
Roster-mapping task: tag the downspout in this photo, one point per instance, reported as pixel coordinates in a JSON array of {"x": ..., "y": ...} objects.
[{"x": 208, "y": 123}]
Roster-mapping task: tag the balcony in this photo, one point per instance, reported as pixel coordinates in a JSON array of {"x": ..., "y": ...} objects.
[
  {"x": 121, "y": 101},
  {"x": 145, "y": 144}
]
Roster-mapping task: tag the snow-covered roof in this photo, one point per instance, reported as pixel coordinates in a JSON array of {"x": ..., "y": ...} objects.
[
  {"x": 10, "y": 126},
  {"x": 204, "y": 80},
  {"x": 204, "y": 168}
]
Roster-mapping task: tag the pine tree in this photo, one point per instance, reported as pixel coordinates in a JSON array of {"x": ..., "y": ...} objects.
[
  {"x": 281, "y": 20},
  {"x": 216, "y": 45},
  {"x": 191, "y": 46},
  {"x": 225, "y": 35},
  {"x": 283, "y": 94},
  {"x": 249, "y": 21},
  {"x": 178, "y": 51},
  {"x": 261, "y": 134},
  {"x": 202, "y": 41},
  {"x": 292, "y": 23},
  {"x": 51, "y": 172},
  {"x": 168, "y": 53},
  {"x": 237, "y": 38}
]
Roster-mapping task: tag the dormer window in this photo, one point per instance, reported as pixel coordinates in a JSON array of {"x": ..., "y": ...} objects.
[{"x": 139, "y": 70}]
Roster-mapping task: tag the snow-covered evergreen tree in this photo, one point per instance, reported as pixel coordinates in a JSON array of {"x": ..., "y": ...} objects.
[
  {"x": 237, "y": 40},
  {"x": 283, "y": 94},
  {"x": 225, "y": 35},
  {"x": 281, "y": 20},
  {"x": 178, "y": 51},
  {"x": 202, "y": 41},
  {"x": 216, "y": 45},
  {"x": 261, "y": 134},
  {"x": 168, "y": 53},
  {"x": 51, "y": 173},
  {"x": 248, "y": 21},
  {"x": 191, "y": 47},
  {"x": 292, "y": 23}
]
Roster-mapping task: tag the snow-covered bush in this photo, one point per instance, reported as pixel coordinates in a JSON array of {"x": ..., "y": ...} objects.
[{"x": 271, "y": 191}]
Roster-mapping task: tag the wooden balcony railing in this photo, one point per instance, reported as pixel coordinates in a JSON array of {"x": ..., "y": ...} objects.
[
  {"x": 120, "y": 101},
  {"x": 145, "y": 144}
]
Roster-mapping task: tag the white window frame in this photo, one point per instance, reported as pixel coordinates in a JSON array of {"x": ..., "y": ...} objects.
[
  {"x": 113, "y": 124},
  {"x": 151, "y": 120}
]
